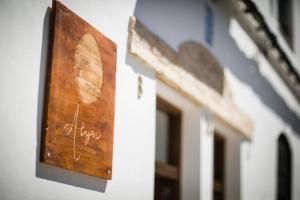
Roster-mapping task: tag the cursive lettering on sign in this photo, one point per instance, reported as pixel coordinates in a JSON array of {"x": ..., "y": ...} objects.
[{"x": 73, "y": 128}]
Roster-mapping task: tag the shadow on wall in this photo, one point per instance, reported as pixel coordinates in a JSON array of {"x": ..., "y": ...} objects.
[
  {"x": 180, "y": 23},
  {"x": 247, "y": 71},
  {"x": 46, "y": 171}
]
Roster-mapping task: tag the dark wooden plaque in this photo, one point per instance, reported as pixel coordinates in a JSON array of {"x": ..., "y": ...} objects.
[{"x": 79, "y": 108}]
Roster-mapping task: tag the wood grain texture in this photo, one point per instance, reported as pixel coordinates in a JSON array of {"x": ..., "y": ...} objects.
[
  {"x": 165, "y": 170},
  {"x": 79, "y": 107}
]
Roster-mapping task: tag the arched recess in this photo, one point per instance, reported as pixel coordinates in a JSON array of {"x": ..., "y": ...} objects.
[{"x": 284, "y": 169}]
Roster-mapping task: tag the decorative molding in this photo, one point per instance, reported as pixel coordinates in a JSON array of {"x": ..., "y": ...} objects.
[
  {"x": 250, "y": 18},
  {"x": 198, "y": 61},
  {"x": 150, "y": 50}
]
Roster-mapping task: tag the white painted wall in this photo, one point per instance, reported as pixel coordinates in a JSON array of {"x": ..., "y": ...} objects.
[
  {"x": 264, "y": 146},
  {"x": 206, "y": 156},
  {"x": 22, "y": 65},
  {"x": 23, "y": 53},
  {"x": 259, "y": 156},
  {"x": 256, "y": 89}
]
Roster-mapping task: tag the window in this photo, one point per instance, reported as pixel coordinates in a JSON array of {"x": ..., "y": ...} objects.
[
  {"x": 167, "y": 165},
  {"x": 209, "y": 24},
  {"x": 271, "y": 4},
  {"x": 285, "y": 17},
  {"x": 219, "y": 166},
  {"x": 284, "y": 170}
]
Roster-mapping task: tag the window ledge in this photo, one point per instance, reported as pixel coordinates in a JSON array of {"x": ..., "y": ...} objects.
[{"x": 165, "y": 170}]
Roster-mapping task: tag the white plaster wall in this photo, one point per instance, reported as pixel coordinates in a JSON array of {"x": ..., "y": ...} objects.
[
  {"x": 173, "y": 21},
  {"x": 260, "y": 155},
  {"x": 22, "y": 64},
  {"x": 257, "y": 91},
  {"x": 206, "y": 157}
]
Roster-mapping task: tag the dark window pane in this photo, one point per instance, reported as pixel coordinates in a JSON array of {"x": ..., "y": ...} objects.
[
  {"x": 285, "y": 15},
  {"x": 284, "y": 169},
  {"x": 168, "y": 120},
  {"x": 219, "y": 183},
  {"x": 209, "y": 24}
]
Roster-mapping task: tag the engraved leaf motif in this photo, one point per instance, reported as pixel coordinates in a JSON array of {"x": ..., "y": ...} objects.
[{"x": 88, "y": 69}]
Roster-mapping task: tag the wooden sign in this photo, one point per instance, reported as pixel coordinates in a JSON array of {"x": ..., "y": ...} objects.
[{"x": 79, "y": 111}]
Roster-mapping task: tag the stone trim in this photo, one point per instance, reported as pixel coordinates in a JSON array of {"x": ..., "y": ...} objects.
[
  {"x": 150, "y": 50},
  {"x": 250, "y": 18}
]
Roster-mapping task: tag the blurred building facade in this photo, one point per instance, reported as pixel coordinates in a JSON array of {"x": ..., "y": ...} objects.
[{"x": 207, "y": 100}]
